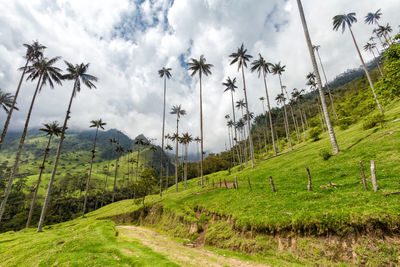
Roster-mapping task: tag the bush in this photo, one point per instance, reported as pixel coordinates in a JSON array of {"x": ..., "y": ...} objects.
[
  {"x": 325, "y": 154},
  {"x": 373, "y": 120},
  {"x": 345, "y": 122},
  {"x": 314, "y": 133}
]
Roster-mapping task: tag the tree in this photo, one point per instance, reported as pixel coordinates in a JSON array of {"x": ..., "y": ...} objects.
[
  {"x": 241, "y": 57},
  {"x": 277, "y": 69},
  {"x": 78, "y": 74},
  {"x": 34, "y": 52},
  {"x": 385, "y": 31},
  {"x": 373, "y": 18},
  {"x": 186, "y": 140},
  {"x": 164, "y": 73},
  {"x": 178, "y": 111},
  {"x": 6, "y": 100},
  {"x": 94, "y": 124},
  {"x": 332, "y": 135},
  {"x": 240, "y": 104},
  {"x": 168, "y": 148},
  {"x": 51, "y": 129},
  {"x": 119, "y": 150},
  {"x": 230, "y": 86},
  {"x": 348, "y": 19},
  {"x": 198, "y": 140},
  {"x": 293, "y": 117},
  {"x": 266, "y": 126},
  {"x": 45, "y": 72},
  {"x": 261, "y": 66},
  {"x": 296, "y": 99},
  {"x": 370, "y": 47},
  {"x": 200, "y": 66},
  {"x": 316, "y": 48}
]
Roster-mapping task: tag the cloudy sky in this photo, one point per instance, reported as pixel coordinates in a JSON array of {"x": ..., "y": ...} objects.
[{"x": 126, "y": 42}]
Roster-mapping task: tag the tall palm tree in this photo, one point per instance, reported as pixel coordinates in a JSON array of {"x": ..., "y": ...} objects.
[
  {"x": 240, "y": 104},
  {"x": 200, "y": 66},
  {"x": 261, "y": 66},
  {"x": 332, "y": 135},
  {"x": 277, "y": 69},
  {"x": 385, "y": 31},
  {"x": 168, "y": 148},
  {"x": 78, "y": 74},
  {"x": 139, "y": 142},
  {"x": 178, "y": 111},
  {"x": 296, "y": 127},
  {"x": 186, "y": 140},
  {"x": 316, "y": 48},
  {"x": 348, "y": 19},
  {"x": 296, "y": 102},
  {"x": 241, "y": 58},
  {"x": 373, "y": 18},
  {"x": 94, "y": 124},
  {"x": 51, "y": 129},
  {"x": 370, "y": 47},
  {"x": 34, "y": 52},
  {"x": 119, "y": 150},
  {"x": 230, "y": 86},
  {"x": 198, "y": 140},
  {"x": 45, "y": 72},
  {"x": 6, "y": 100},
  {"x": 266, "y": 126},
  {"x": 164, "y": 73}
]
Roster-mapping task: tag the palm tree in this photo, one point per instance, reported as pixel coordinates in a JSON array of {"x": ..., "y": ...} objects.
[
  {"x": 34, "y": 52},
  {"x": 78, "y": 74},
  {"x": 240, "y": 104},
  {"x": 277, "y": 69},
  {"x": 296, "y": 101},
  {"x": 241, "y": 58},
  {"x": 44, "y": 70},
  {"x": 94, "y": 124},
  {"x": 385, "y": 31},
  {"x": 186, "y": 140},
  {"x": 50, "y": 129},
  {"x": 164, "y": 73},
  {"x": 296, "y": 126},
  {"x": 230, "y": 124},
  {"x": 201, "y": 67},
  {"x": 315, "y": 67},
  {"x": 261, "y": 65},
  {"x": 152, "y": 149},
  {"x": 139, "y": 142},
  {"x": 266, "y": 126},
  {"x": 198, "y": 140},
  {"x": 313, "y": 85},
  {"x": 370, "y": 47},
  {"x": 6, "y": 100},
  {"x": 348, "y": 19},
  {"x": 373, "y": 18},
  {"x": 316, "y": 48},
  {"x": 119, "y": 150},
  {"x": 230, "y": 86},
  {"x": 168, "y": 148},
  {"x": 179, "y": 112}
]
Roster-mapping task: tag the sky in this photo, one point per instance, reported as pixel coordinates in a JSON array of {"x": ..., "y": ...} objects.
[{"x": 126, "y": 42}]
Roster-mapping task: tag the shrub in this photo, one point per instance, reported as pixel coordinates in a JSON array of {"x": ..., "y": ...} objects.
[
  {"x": 373, "y": 120},
  {"x": 314, "y": 133},
  {"x": 325, "y": 154},
  {"x": 345, "y": 122}
]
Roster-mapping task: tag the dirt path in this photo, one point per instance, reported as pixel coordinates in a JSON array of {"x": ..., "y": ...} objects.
[{"x": 177, "y": 252}]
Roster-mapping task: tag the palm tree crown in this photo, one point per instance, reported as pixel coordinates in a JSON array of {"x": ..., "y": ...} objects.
[
  {"x": 200, "y": 66},
  {"x": 6, "y": 100},
  {"x": 97, "y": 124},
  {"x": 165, "y": 72},
  {"x": 78, "y": 73},
  {"x": 34, "y": 51},
  {"x": 44, "y": 68},
  {"x": 52, "y": 128},
  {"x": 342, "y": 20},
  {"x": 178, "y": 111},
  {"x": 278, "y": 69},
  {"x": 230, "y": 84},
  {"x": 372, "y": 18},
  {"x": 260, "y": 65},
  {"x": 241, "y": 57}
]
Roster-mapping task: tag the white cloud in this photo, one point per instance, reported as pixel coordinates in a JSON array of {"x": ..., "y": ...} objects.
[{"x": 127, "y": 42}]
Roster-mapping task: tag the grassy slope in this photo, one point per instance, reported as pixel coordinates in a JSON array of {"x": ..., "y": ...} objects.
[{"x": 292, "y": 207}]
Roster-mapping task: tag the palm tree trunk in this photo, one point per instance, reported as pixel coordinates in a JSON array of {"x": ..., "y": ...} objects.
[
  {"x": 266, "y": 131},
  {"x": 176, "y": 153},
  {"x": 234, "y": 125},
  {"x": 185, "y": 169},
  {"x": 53, "y": 174},
  {"x": 295, "y": 123},
  {"x": 137, "y": 163},
  {"x": 90, "y": 172},
  {"x": 115, "y": 179},
  {"x": 201, "y": 131},
  {"x": 19, "y": 151},
  {"x": 46, "y": 152},
  {"x": 167, "y": 174},
  {"x": 366, "y": 72},
  {"x": 377, "y": 63},
  {"x": 162, "y": 136},
  {"x": 198, "y": 162},
  {"x": 269, "y": 113},
  {"x": 289, "y": 139},
  {"x": 245, "y": 149},
  {"x": 315, "y": 67},
  {"x": 327, "y": 86},
  {"x": 10, "y": 111},
  {"x": 248, "y": 120},
  {"x": 302, "y": 124}
]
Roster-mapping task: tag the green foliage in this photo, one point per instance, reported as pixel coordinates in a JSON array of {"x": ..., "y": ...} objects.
[
  {"x": 388, "y": 87},
  {"x": 373, "y": 120},
  {"x": 344, "y": 122},
  {"x": 325, "y": 154},
  {"x": 314, "y": 133}
]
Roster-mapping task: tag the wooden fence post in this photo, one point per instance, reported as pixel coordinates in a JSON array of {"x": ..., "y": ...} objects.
[
  {"x": 213, "y": 183},
  {"x": 363, "y": 176},
  {"x": 272, "y": 184},
  {"x": 220, "y": 183},
  {"x": 237, "y": 184},
  {"x": 373, "y": 176},
  {"x": 226, "y": 185},
  {"x": 248, "y": 180},
  {"x": 309, "y": 179}
]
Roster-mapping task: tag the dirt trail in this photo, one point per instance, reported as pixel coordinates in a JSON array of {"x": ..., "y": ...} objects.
[{"x": 177, "y": 252}]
